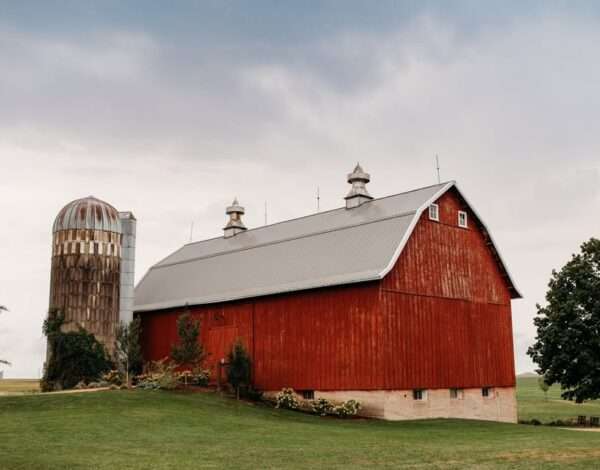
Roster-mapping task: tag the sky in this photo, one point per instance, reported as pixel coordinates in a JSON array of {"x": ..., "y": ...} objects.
[{"x": 171, "y": 109}]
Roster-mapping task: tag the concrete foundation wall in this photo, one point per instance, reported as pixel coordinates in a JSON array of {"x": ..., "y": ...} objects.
[{"x": 500, "y": 405}]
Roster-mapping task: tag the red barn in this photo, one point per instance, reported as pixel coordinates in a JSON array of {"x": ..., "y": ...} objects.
[{"x": 401, "y": 302}]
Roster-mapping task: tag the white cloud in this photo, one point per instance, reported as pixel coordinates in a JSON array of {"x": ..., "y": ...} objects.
[{"x": 174, "y": 134}]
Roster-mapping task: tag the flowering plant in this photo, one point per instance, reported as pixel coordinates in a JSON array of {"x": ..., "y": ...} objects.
[
  {"x": 113, "y": 377},
  {"x": 322, "y": 406},
  {"x": 286, "y": 399},
  {"x": 347, "y": 409}
]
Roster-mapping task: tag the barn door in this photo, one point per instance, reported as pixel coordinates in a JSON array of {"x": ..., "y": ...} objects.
[{"x": 220, "y": 340}]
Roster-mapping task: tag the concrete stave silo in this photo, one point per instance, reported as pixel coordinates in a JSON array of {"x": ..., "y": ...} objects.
[{"x": 87, "y": 283}]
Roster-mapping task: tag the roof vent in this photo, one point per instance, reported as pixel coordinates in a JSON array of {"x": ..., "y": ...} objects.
[
  {"x": 358, "y": 193},
  {"x": 235, "y": 224}
]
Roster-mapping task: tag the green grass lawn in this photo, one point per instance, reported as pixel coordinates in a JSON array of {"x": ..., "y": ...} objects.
[
  {"x": 533, "y": 405},
  {"x": 162, "y": 430}
]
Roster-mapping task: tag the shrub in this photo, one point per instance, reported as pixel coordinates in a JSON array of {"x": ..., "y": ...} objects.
[
  {"x": 128, "y": 350},
  {"x": 159, "y": 375},
  {"x": 201, "y": 377},
  {"x": 347, "y": 409},
  {"x": 240, "y": 367},
  {"x": 322, "y": 406},
  {"x": 188, "y": 351},
  {"x": 252, "y": 394},
  {"x": 113, "y": 377},
  {"x": 73, "y": 357},
  {"x": 286, "y": 399}
]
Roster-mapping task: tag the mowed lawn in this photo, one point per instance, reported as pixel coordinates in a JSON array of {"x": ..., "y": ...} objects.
[{"x": 175, "y": 430}]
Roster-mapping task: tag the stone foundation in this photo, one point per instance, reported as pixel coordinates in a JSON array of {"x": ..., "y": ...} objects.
[{"x": 500, "y": 405}]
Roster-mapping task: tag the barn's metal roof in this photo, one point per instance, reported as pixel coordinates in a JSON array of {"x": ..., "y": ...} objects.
[
  {"x": 340, "y": 246},
  {"x": 88, "y": 213}
]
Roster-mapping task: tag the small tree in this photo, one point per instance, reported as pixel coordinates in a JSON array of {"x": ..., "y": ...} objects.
[
  {"x": 240, "y": 367},
  {"x": 74, "y": 357},
  {"x": 544, "y": 387},
  {"x": 567, "y": 347},
  {"x": 128, "y": 350},
  {"x": 4, "y": 361},
  {"x": 188, "y": 351}
]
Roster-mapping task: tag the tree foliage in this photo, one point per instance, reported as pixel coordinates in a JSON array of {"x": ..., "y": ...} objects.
[
  {"x": 567, "y": 347},
  {"x": 74, "y": 356},
  {"x": 128, "y": 349},
  {"x": 240, "y": 367},
  {"x": 188, "y": 351}
]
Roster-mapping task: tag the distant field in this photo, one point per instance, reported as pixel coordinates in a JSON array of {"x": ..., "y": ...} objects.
[
  {"x": 533, "y": 405},
  {"x": 19, "y": 385}
]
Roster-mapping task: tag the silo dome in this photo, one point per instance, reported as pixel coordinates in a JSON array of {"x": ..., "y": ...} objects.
[{"x": 88, "y": 213}]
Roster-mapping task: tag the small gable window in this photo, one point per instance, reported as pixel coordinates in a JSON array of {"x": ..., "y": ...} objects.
[
  {"x": 462, "y": 219},
  {"x": 434, "y": 212}
]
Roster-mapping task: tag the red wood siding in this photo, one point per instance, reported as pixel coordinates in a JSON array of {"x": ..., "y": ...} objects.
[
  {"x": 440, "y": 319},
  {"x": 444, "y": 260}
]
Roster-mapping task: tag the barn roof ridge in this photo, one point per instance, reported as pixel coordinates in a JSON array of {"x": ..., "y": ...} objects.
[
  {"x": 336, "y": 247},
  {"x": 316, "y": 214},
  {"x": 283, "y": 240}
]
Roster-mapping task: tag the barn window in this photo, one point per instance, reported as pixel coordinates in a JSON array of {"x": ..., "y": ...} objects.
[
  {"x": 419, "y": 394},
  {"x": 486, "y": 392},
  {"x": 308, "y": 394},
  {"x": 457, "y": 393},
  {"x": 434, "y": 212},
  {"x": 462, "y": 219}
]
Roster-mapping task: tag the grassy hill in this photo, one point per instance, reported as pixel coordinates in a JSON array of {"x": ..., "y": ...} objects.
[
  {"x": 160, "y": 430},
  {"x": 534, "y": 405}
]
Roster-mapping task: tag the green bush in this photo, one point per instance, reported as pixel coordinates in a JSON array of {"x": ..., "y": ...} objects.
[
  {"x": 74, "y": 357},
  {"x": 198, "y": 377},
  {"x": 240, "y": 367},
  {"x": 347, "y": 409},
  {"x": 322, "y": 406},
  {"x": 286, "y": 399},
  {"x": 159, "y": 375},
  {"x": 113, "y": 377}
]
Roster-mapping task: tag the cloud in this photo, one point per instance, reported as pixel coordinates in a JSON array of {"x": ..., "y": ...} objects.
[{"x": 172, "y": 121}]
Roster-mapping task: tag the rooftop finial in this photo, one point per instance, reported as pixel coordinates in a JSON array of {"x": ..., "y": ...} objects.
[
  {"x": 235, "y": 224},
  {"x": 358, "y": 193}
]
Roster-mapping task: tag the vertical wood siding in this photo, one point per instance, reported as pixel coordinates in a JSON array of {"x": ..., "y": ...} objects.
[{"x": 440, "y": 319}]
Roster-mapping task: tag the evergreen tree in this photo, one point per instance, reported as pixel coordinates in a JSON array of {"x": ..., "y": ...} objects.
[
  {"x": 188, "y": 351},
  {"x": 240, "y": 367},
  {"x": 128, "y": 349},
  {"x": 567, "y": 347}
]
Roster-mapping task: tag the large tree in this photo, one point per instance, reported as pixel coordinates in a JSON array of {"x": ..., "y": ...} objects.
[{"x": 567, "y": 347}]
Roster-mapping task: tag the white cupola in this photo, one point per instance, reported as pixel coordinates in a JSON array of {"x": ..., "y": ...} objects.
[
  {"x": 358, "y": 193},
  {"x": 235, "y": 224}
]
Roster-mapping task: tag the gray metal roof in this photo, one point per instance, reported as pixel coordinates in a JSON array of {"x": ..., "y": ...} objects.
[
  {"x": 336, "y": 247},
  {"x": 88, "y": 213}
]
